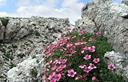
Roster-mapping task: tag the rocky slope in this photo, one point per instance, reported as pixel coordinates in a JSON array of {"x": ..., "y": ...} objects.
[
  {"x": 22, "y": 43},
  {"x": 112, "y": 20}
]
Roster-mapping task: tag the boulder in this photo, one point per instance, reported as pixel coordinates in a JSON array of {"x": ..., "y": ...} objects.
[
  {"x": 119, "y": 61},
  {"x": 27, "y": 37},
  {"x": 112, "y": 20},
  {"x": 125, "y": 2},
  {"x": 109, "y": 18}
]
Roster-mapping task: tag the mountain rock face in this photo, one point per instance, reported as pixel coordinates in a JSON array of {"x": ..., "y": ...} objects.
[
  {"x": 112, "y": 20},
  {"x": 125, "y": 2},
  {"x": 22, "y": 42}
]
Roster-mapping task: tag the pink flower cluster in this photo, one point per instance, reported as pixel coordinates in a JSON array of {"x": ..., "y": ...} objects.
[
  {"x": 57, "y": 66},
  {"x": 71, "y": 48},
  {"x": 51, "y": 48},
  {"x": 90, "y": 49},
  {"x": 60, "y": 67},
  {"x": 91, "y": 66},
  {"x": 54, "y": 77}
]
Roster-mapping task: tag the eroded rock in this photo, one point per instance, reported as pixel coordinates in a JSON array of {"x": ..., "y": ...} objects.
[
  {"x": 27, "y": 37},
  {"x": 119, "y": 61},
  {"x": 112, "y": 20}
]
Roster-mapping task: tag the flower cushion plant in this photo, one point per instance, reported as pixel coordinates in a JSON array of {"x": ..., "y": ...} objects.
[{"x": 79, "y": 57}]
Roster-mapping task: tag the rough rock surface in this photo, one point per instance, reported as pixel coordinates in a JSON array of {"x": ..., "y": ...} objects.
[
  {"x": 29, "y": 70},
  {"x": 125, "y": 2},
  {"x": 25, "y": 38},
  {"x": 111, "y": 19},
  {"x": 119, "y": 61},
  {"x": 86, "y": 24}
]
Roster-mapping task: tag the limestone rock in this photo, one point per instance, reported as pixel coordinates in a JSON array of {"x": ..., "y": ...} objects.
[
  {"x": 120, "y": 9},
  {"x": 1, "y": 30},
  {"x": 27, "y": 37},
  {"x": 28, "y": 70},
  {"x": 125, "y": 2},
  {"x": 119, "y": 61},
  {"x": 112, "y": 20},
  {"x": 86, "y": 24},
  {"x": 101, "y": 1},
  {"x": 109, "y": 18}
]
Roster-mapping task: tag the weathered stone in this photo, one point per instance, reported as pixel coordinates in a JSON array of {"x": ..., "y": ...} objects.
[
  {"x": 120, "y": 61},
  {"x": 28, "y": 70},
  {"x": 85, "y": 24},
  {"x": 112, "y": 20},
  {"x": 125, "y": 2},
  {"x": 1, "y": 31},
  {"x": 27, "y": 37},
  {"x": 109, "y": 18},
  {"x": 101, "y": 1}
]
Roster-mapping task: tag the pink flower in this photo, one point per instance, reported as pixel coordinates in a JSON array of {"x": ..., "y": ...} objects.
[
  {"x": 63, "y": 61},
  {"x": 58, "y": 77},
  {"x": 111, "y": 67},
  {"x": 82, "y": 66},
  {"x": 87, "y": 57},
  {"x": 71, "y": 73},
  {"x": 92, "y": 66},
  {"x": 62, "y": 41},
  {"x": 91, "y": 49},
  {"x": 84, "y": 49},
  {"x": 69, "y": 45},
  {"x": 51, "y": 76},
  {"x": 96, "y": 60},
  {"x": 71, "y": 51},
  {"x": 93, "y": 78},
  {"x": 98, "y": 33},
  {"x": 71, "y": 48},
  {"x": 53, "y": 67},
  {"x": 54, "y": 77},
  {"x": 87, "y": 69},
  {"x": 49, "y": 50},
  {"x": 60, "y": 68},
  {"x": 53, "y": 80}
]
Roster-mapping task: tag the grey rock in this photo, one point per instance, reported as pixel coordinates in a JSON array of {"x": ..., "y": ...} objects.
[
  {"x": 112, "y": 20},
  {"x": 28, "y": 70},
  {"x": 1, "y": 30},
  {"x": 125, "y": 2},
  {"x": 85, "y": 24},
  {"x": 27, "y": 37},
  {"x": 120, "y": 61},
  {"x": 101, "y": 1},
  {"x": 109, "y": 18}
]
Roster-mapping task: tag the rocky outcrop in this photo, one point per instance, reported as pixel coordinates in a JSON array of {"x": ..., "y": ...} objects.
[
  {"x": 120, "y": 61},
  {"x": 29, "y": 70},
  {"x": 112, "y": 20},
  {"x": 86, "y": 24},
  {"x": 24, "y": 39},
  {"x": 109, "y": 18},
  {"x": 125, "y": 2}
]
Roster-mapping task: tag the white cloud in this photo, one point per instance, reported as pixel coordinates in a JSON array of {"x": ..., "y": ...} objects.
[
  {"x": 2, "y": 14},
  {"x": 70, "y": 9}
]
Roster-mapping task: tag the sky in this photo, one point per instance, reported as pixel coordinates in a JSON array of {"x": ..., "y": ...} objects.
[{"x": 45, "y": 8}]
